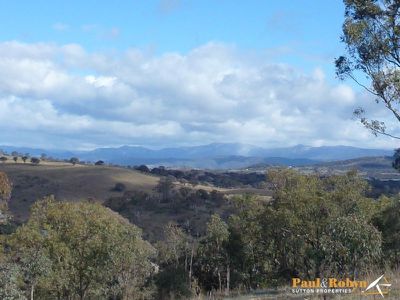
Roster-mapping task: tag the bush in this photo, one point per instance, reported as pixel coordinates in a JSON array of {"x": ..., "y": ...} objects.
[
  {"x": 142, "y": 168},
  {"x": 119, "y": 187},
  {"x": 35, "y": 160}
]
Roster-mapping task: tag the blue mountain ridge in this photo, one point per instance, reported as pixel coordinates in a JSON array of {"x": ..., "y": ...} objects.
[{"x": 215, "y": 155}]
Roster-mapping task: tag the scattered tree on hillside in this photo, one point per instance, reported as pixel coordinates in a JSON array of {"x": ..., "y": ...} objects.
[
  {"x": 25, "y": 158},
  {"x": 142, "y": 168},
  {"x": 74, "y": 160},
  {"x": 119, "y": 187},
  {"x": 35, "y": 160},
  {"x": 371, "y": 32},
  {"x": 99, "y": 163},
  {"x": 15, "y": 158},
  {"x": 164, "y": 187},
  {"x": 3, "y": 159}
]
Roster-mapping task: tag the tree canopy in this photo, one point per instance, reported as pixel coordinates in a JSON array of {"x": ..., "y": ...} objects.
[
  {"x": 371, "y": 33},
  {"x": 80, "y": 250}
]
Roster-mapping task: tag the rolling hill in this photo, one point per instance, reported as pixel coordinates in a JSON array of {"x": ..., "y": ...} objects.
[{"x": 67, "y": 182}]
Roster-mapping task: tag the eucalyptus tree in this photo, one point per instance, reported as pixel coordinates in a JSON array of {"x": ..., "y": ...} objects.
[{"x": 371, "y": 33}]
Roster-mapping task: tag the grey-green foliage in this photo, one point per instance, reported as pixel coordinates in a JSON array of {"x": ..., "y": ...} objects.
[
  {"x": 351, "y": 246},
  {"x": 213, "y": 256},
  {"x": 175, "y": 256},
  {"x": 81, "y": 250},
  {"x": 313, "y": 226},
  {"x": 388, "y": 222},
  {"x": 371, "y": 33},
  {"x": 10, "y": 282}
]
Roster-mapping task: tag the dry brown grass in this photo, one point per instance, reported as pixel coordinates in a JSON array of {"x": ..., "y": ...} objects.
[{"x": 67, "y": 182}]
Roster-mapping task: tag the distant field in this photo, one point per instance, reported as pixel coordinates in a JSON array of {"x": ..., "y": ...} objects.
[
  {"x": 67, "y": 182},
  {"x": 370, "y": 167}
]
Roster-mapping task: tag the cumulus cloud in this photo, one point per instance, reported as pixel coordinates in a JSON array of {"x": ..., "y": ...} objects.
[{"x": 62, "y": 96}]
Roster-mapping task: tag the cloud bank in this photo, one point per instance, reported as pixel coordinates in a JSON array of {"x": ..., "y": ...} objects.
[{"x": 62, "y": 96}]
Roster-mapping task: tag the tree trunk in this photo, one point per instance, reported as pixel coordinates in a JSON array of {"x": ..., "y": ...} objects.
[
  {"x": 228, "y": 279},
  {"x": 186, "y": 261},
  {"x": 32, "y": 291},
  {"x": 219, "y": 281},
  {"x": 190, "y": 267}
]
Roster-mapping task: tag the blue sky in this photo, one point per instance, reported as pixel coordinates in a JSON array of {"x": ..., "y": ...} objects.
[
  {"x": 311, "y": 28},
  {"x": 84, "y": 74}
]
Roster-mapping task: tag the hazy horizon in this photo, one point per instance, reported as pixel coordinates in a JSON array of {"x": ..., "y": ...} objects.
[{"x": 185, "y": 146}]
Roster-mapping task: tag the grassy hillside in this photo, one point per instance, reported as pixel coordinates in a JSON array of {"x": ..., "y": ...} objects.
[{"x": 67, "y": 182}]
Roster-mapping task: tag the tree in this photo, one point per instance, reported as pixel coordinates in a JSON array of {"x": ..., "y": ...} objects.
[
  {"x": 292, "y": 235},
  {"x": 25, "y": 158},
  {"x": 214, "y": 259},
  {"x": 164, "y": 187},
  {"x": 5, "y": 194},
  {"x": 3, "y": 159},
  {"x": 176, "y": 255},
  {"x": 15, "y": 158},
  {"x": 99, "y": 163},
  {"x": 142, "y": 168},
  {"x": 371, "y": 32},
  {"x": 251, "y": 243},
  {"x": 33, "y": 259},
  {"x": 74, "y": 160},
  {"x": 304, "y": 214},
  {"x": 388, "y": 222},
  {"x": 119, "y": 187},
  {"x": 9, "y": 277},
  {"x": 351, "y": 246},
  {"x": 35, "y": 160},
  {"x": 5, "y": 187},
  {"x": 88, "y": 252}
]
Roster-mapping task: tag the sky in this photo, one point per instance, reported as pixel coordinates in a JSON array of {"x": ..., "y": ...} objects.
[{"x": 86, "y": 74}]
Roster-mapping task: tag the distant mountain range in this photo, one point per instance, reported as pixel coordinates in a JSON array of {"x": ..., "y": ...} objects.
[{"x": 213, "y": 156}]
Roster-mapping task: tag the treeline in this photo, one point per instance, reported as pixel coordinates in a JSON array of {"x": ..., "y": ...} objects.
[
  {"x": 219, "y": 179},
  {"x": 383, "y": 187},
  {"x": 313, "y": 227}
]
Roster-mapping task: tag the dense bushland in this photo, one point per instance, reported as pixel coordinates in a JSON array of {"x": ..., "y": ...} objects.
[{"x": 312, "y": 227}]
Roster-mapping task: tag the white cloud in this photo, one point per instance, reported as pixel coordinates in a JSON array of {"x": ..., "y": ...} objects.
[{"x": 70, "y": 97}]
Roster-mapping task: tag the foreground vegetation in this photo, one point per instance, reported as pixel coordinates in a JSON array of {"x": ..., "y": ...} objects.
[{"x": 314, "y": 226}]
